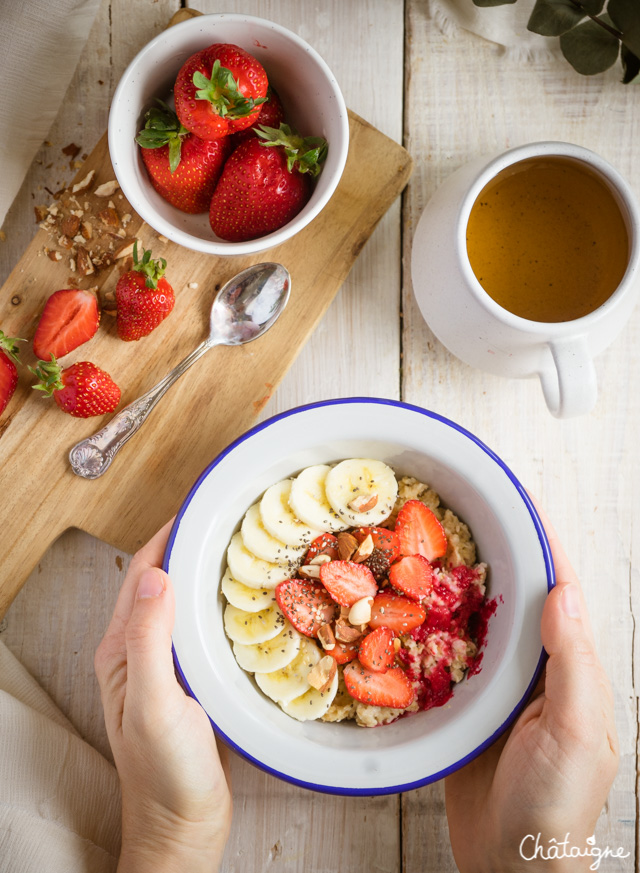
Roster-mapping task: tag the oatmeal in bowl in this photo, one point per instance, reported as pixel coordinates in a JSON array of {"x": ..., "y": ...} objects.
[
  {"x": 352, "y": 594},
  {"x": 470, "y": 651}
]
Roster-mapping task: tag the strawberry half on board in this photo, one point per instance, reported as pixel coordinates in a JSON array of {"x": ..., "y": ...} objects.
[
  {"x": 144, "y": 298},
  {"x": 219, "y": 91},
  {"x": 8, "y": 370},
  {"x": 70, "y": 318},
  {"x": 182, "y": 167},
  {"x": 265, "y": 183},
  {"x": 82, "y": 389}
]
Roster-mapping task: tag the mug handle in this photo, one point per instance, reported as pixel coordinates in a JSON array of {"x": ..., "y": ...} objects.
[{"x": 571, "y": 387}]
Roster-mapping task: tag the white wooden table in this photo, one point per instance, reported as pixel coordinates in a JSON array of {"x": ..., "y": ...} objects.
[{"x": 447, "y": 100}]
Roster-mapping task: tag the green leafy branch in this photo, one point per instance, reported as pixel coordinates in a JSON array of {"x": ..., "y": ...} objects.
[{"x": 593, "y": 45}]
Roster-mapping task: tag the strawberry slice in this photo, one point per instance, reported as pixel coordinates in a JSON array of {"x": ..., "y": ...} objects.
[
  {"x": 413, "y": 576},
  {"x": 397, "y": 613},
  {"x": 343, "y": 652},
  {"x": 419, "y": 531},
  {"x": 392, "y": 688},
  {"x": 347, "y": 582},
  {"x": 376, "y": 650},
  {"x": 384, "y": 540},
  {"x": 306, "y": 604},
  {"x": 70, "y": 317},
  {"x": 325, "y": 544}
]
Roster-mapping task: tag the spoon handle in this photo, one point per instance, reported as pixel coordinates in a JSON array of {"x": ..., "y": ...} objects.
[{"x": 92, "y": 456}]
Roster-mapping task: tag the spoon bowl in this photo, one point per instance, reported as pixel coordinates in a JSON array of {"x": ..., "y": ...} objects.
[{"x": 244, "y": 309}]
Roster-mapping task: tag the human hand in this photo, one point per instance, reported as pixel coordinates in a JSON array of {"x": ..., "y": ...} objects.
[
  {"x": 552, "y": 773},
  {"x": 176, "y": 803}
]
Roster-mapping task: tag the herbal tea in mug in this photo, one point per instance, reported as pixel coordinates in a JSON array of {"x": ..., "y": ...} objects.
[{"x": 547, "y": 240}]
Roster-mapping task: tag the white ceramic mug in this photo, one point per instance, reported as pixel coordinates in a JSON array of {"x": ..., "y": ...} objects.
[{"x": 481, "y": 332}]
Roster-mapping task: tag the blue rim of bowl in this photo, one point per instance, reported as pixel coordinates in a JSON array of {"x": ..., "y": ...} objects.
[{"x": 549, "y": 567}]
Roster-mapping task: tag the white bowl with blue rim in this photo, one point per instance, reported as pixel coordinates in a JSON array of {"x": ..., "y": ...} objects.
[
  {"x": 475, "y": 483},
  {"x": 309, "y": 92}
]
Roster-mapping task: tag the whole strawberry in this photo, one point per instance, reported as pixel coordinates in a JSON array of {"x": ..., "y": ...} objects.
[
  {"x": 82, "y": 389},
  {"x": 265, "y": 183},
  {"x": 219, "y": 91},
  {"x": 8, "y": 370},
  {"x": 271, "y": 115},
  {"x": 182, "y": 167},
  {"x": 143, "y": 297}
]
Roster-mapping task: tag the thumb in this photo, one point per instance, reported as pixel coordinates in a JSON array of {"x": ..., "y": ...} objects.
[
  {"x": 573, "y": 670},
  {"x": 148, "y": 636}
]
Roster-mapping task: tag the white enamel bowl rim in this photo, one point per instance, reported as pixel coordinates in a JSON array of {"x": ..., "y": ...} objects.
[
  {"x": 342, "y": 758},
  {"x": 123, "y": 150}
]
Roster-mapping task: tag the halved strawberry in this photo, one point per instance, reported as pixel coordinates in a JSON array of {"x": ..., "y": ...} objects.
[
  {"x": 306, "y": 604},
  {"x": 343, "y": 652},
  {"x": 419, "y": 531},
  {"x": 376, "y": 650},
  {"x": 325, "y": 544},
  {"x": 413, "y": 576},
  {"x": 392, "y": 688},
  {"x": 347, "y": 582},
  {"x": 397, "y": 613},
  {"x": 70, "y": 317}
]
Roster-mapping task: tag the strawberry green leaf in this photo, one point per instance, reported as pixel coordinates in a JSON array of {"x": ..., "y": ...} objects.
[
  {"x": 8, "y": 344},
  {"x": 161, "y": 128},
  {"x": 589, "y": 48},
  {"x": 304, "y": 154},
  {"x": 49, "y": 376},
  {"x": 152, "y": 270},
  {"x": 222, "y": 91}
]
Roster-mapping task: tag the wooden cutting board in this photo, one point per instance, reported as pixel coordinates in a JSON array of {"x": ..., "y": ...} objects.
[{"x": 217, "y": 399}]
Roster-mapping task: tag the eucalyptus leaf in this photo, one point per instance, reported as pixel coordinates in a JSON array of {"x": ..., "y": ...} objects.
[
  {"x": 492, "y": 2},
  {"x": 554, "y": 17},
  {"x": 625, "y": 14},
  {"x": 630, "y": 65},
  {"x": 592, "y": 7},
  {"x": 589, "y": 48}
]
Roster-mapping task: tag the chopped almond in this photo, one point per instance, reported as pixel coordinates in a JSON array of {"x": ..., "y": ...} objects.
[
  {"x": 326, "y": 637},
  {"x": 345, "y": 632},
  {"x": 85, "y": 184},
  {"x": 107, "y": 189},
  {"x": 363, "y": 502},
  {"x": 84, "y": 262},
  {"x": 321, "y": 676},
  {"x": 70, "y": 225},
  {"x": 124, "y": 249},
  {"x": 364, "y": 550},
  {"x": 347, "y": 545},
  {"x": 65, "y": 242},
  {"x": 310, "y": 571},
  {"x": 54, "y": 256},
  {"x": 86, "y": 230},
  {"x": 360, "y": 612},
  {"x": 41, "y": 212},
  {"x": 109, "y": 216},
  {"x": 320, "y": 560}
]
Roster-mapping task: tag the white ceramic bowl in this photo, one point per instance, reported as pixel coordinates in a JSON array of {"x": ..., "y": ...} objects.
[
  {"x": 475, "y": 483},
  {"x": 309, "y": 92}
]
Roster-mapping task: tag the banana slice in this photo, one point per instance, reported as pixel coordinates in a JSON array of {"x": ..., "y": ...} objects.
[
  {"x": 243, "y": 597},
  {"x": 258, "y": 541},
  {"x": 312, "y": 704},
  {"x": 361, "y": 491},
  {"x": 252, "y": 571},
  {"x": 279, "y": 520},
  {"x": 283, "y": 685},
  {"x": 253, "y": 627},
  {"x": 309, "y": 501},
  {"x": 271, "y": 655}
]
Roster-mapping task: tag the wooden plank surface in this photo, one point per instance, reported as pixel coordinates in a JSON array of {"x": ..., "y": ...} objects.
[{"x": 462, "y": 97}]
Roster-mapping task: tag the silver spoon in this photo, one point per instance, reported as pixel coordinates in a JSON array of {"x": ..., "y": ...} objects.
[{"x": 242, "y": 311}]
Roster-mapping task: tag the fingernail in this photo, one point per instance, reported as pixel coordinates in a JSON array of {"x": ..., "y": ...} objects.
[
  {"x": 571, "y": 601},
  {"x": 151, "y": 584}
]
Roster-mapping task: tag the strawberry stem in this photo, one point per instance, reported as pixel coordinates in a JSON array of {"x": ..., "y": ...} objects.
[
  {"x": 304, "y": 154},
  {"x": 222, "y": 91},
  {"x": 153, "y": 270},
  {"x": 49, "y": 375},
  {"x": 9, "y": 347},
  {"x": 162, "y": 127}
]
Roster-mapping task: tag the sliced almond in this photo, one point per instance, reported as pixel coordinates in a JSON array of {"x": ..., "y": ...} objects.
[
  {"x": 109, "y": 216},
  {"x": 347, "y": 545},
  {"x": 320, "y": 560},
  {"x": 107, "y": 189},
  {"x": 85, "y": 184},
  {"x": 326, "y": 637},
  {"x": 363, "y": 502},
  {"x": 309, "y": 571},
  {"x": 360, "y": 612},
  {"x": 321, "y": 676},
  {"x": 364, "y": 550},
  {"x": 84, "y": 262},
  {"x": 124, "y": 249},
  {"x": 345, "y": 632}
]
